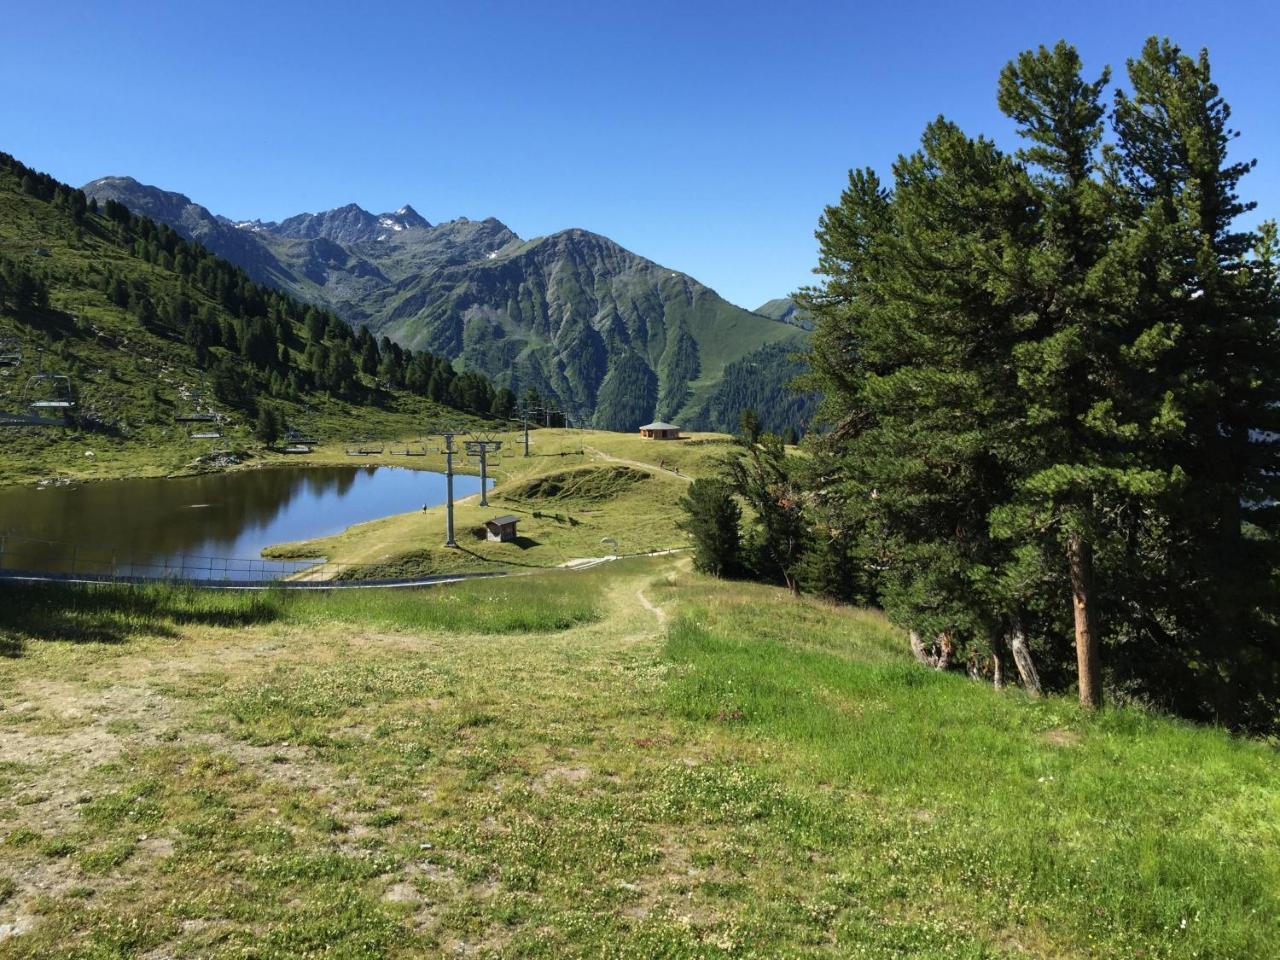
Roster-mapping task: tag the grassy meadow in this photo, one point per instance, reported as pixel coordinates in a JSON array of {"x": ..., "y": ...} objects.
[
  {"x": 632, "y": 761},
  {"x": 576, "y": 489}
]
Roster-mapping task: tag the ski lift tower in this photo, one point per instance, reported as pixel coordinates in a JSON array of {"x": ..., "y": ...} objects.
[
  {"x": 480, "y": 448},
  {"x": 525, "y": 410},
  {"x": 449, "y": 450}
]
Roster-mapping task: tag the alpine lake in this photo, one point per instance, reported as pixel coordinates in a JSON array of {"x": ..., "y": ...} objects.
[{"x": 212, "y": 526}]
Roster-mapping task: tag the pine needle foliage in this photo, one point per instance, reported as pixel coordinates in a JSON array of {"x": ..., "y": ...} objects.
[{"x": 1050, "y": 383}]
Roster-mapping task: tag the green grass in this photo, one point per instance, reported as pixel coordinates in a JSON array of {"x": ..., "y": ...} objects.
[
  {"x": 1128, "y": 834},
  {"x": 506, "y": 605},
  {"x": 112, "y": 614},
  {"x": 584, "y": 484},
  {"x": 544, "y": 767}
]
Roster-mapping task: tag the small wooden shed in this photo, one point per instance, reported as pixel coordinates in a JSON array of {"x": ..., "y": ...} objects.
[
  {"x": 660, "y": 431},
  {"x": 501, "y": 529}
]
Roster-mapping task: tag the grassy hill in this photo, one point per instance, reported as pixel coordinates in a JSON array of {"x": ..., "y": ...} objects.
[
  {"x": 634, "y": 762},
  {"x": 577, "y": 489},
  {"x": 786, "y": 310},
  {"x": 131, "y": 377}
]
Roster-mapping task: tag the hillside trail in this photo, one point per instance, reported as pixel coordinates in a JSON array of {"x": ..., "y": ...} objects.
[
  {"x": 639, "y": 463},
  {"x": 652, "y": 607}
]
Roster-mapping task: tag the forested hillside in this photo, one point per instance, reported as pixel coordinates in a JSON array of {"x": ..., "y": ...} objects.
[
  {"x": 147, "y": 325},
  {"x": 764, "y": 381}
]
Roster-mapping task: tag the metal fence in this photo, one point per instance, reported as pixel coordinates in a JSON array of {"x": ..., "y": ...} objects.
[{"x": 32, "y": 558}]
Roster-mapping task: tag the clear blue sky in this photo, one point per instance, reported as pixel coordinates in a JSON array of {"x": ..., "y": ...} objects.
[{"x": 705, "y": 135}]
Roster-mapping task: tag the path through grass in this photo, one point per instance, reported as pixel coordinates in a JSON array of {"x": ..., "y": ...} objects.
[{"x": 542, "y": 768}]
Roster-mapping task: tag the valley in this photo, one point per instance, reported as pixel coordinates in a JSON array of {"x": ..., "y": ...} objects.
[{"x": 376, "y": 588}]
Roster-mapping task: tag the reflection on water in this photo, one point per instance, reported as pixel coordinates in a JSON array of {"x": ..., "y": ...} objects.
[{"x": 150, "y": 523}]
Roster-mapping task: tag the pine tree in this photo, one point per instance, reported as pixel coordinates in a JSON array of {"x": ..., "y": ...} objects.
[
  {"x": 1211, "y": 285},
  {"x": 764, "y": 476},
  {"x": 267, "y": 429},
  {"x": 996, "y": 396},
  {"x": 916, "y": 323},
  {"x": 1091, "y": 408},
  {"x": 369, "y": 357},
  {"x": 712, "y": 518}
]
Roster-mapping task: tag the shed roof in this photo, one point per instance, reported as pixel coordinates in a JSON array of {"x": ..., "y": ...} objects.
[
  {"x": 503, "y": 521},
  {"x": 659, "y": 425}
]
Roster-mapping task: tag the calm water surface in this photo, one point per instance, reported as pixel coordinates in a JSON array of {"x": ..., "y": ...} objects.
[{"x": 160, "y": 523}]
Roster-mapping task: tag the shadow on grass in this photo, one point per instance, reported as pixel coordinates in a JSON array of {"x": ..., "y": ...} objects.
[
  {"x": 503, "y": 562},
  {"x": 66, "y": 613}
]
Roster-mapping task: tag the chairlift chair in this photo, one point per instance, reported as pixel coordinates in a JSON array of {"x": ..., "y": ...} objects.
[
  {"x": 296, "y": 442},
  {"x": 49, "y": 391},
  {"x": 195, "y": 414},
  {"x": 196, "y": 411},
  {"x": 297, "y": 436}
]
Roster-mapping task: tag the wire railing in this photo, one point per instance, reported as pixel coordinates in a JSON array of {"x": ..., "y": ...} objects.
[
  {"x": 23, "y": 557},
  {"x": 31, "y": 558}
]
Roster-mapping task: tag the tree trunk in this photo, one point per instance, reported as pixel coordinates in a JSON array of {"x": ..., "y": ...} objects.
[
  {"x": 937, "y": 655},
  {"x": 917, "y": 648},
  {"x": 946, "y": 649},
  {"x": 998, "y": 648},
  {"x": 1022, "y": 657},
  {"x": 1088, "y": 665}
]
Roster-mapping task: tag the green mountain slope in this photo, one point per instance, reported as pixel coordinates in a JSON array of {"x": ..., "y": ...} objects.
[
  {"x": 147, "y": 326},
  {"x": 573, "y": 315},
  {"x": 786, "y": 310}
]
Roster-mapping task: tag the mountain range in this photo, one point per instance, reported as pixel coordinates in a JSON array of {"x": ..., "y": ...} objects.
[{"x": 616, "y": 339}]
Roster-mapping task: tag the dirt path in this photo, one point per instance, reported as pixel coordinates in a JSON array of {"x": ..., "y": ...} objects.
[
  {"x": 640, "y": 464},
  {"x": 653, "y": 608}
]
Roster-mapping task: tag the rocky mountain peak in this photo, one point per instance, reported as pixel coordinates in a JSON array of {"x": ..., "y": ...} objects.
[
  {"x": 406, "y": 218},
  {"x": 346, "y": 224},
  {"x": 162, "y": 205}
]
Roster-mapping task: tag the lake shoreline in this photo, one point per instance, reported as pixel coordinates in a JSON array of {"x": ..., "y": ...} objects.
[
  {"x": 254, "y": 459},
  {"x": 213, "y": 517}
]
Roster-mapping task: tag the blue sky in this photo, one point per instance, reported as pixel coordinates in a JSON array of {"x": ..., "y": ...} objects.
[{"x": 705, "y": 135}]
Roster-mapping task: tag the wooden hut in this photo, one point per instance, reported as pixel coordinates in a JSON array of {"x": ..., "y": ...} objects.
[
  {"x": 660, "y": 431},
  {"x": 501, "y": 529}
]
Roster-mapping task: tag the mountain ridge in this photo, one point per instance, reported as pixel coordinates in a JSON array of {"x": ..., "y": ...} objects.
[{"x": 614, "y": 337}]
